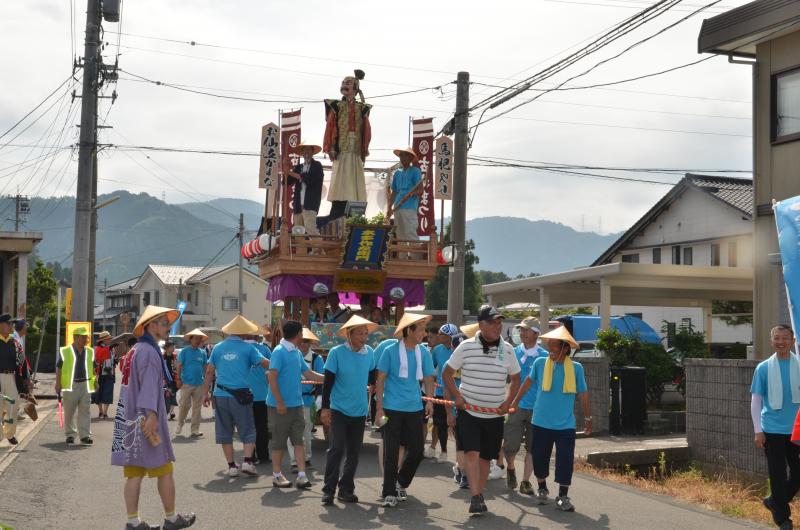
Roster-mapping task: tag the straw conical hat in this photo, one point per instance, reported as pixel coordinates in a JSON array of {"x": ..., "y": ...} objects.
[
  {"x": 470, "y": 329},
  {"x": 299, "y": 148},
  {"x": 309, "y": 335},
  {"x": 195, "y": 333},
  {"x": 561, "y": 333},
  {"x": 354, "y": 322},
  {"x": 152, "y": 312},
  {"x": 409, "y": 319},
  {"x": 240, "y": 326},
  {"x": 407, "y": 150}
]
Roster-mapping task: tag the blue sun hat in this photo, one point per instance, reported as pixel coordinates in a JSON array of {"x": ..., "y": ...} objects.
[{"x": 451, "y": 330}]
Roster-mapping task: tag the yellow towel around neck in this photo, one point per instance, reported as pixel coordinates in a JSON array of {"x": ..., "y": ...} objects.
[{"x": 569, "y": 376}]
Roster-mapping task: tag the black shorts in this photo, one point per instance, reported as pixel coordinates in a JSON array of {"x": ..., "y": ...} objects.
[
  {"x": 439, "y": 415},
  {"x": 484, "y": 435}
]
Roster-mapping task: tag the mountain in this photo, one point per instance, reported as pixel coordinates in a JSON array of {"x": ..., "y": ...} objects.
[
  {"x": 520, "y": 246},
  {"x": 134, "y": 231},
  {"x": 215, "y": 211},
  {"x": 139, "y": 229}
]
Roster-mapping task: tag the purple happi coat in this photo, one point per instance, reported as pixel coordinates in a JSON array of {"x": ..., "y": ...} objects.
[{"x": 143, "y": 393}]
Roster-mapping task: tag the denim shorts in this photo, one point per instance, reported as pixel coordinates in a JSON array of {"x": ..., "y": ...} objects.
[{"x": 229, "y": 414}]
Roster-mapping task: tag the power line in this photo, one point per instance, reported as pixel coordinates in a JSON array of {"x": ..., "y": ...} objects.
[
  {"x": 719, "y": 9},
  {"x": 34, "y": 109},
  {"x": 596, "y": 65},
  {"x": 256, "y": 65},
  {"x": 576, "y": 173},
  {"x": 258, "y": 100},
  {"x": 553, "y": 165}
]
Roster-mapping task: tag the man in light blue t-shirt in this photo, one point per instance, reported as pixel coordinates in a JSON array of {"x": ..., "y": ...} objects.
[
  {"x": 191, "y": 369},
  {"x": 559, "y": 381},
  {"x": 258, "y": 384},
  {"x": 404, "y": 195},
  {"x": 345, "y": 406},
  {"x": 310, "y": 392},
  {"x": 285, "y": 402},
  {"x": 231, "y": 361},
  {"x": 400, "y": 369},
  {"x": 518, "y": 426},
  {"x": 775, "y": 400}
]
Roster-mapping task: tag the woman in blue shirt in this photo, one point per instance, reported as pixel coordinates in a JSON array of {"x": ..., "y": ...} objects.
[{"x": 345, "y": 406}]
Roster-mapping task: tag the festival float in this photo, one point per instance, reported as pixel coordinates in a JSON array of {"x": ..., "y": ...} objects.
[{"x": 349, "y": 258}]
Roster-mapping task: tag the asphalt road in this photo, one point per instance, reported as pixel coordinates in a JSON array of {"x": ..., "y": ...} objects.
[{"x": 52, "y": 486}]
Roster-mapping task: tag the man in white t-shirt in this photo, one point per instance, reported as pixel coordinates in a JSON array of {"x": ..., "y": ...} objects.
[{"x": 485, "y": 361}]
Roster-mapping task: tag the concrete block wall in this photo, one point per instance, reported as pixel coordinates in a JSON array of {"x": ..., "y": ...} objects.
[
  {"x": 719, "y": 430},
  {"x": 596, "y": 371}
]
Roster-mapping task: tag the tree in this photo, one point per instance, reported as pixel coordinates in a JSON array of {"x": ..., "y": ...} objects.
[
  {"x": 733, "y": 313},
  {"x": 625, "y": 350},
  {"x": 42, "y": 291},
  {"x": 436, "y": 289},
  {"x": 488, "y": 277},
  {"x": 60, "y": 273}
]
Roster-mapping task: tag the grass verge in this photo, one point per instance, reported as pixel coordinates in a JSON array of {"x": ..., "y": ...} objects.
[{"x": 723, "y": 492}]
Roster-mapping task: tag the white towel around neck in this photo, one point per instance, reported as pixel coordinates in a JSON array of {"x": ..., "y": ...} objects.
[
  {"x": 529, "y": 352},
  {"x": 404, "y": 360},
  {"x": 775, "y": 384}
]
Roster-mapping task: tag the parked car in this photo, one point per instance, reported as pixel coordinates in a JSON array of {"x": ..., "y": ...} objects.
[{"x": 585, "y": 327}]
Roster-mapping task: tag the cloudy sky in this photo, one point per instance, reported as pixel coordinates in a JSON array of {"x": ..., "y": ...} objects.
[{"x": 694, "y": 118}]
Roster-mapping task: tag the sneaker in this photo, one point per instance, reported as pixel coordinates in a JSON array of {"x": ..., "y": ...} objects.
[
  {"x": 182, "y": 521},
  {"x": 86, "y": 440},
  {"x": 526, "y": 488},
  {"x": 232, "y": 471},
  {"x": 70, "y": 440},
  {"x": 495, "y": 471},
  {"x": 541, "y": 496},
  {"x": 302, "y": 483},
  {"x": 429, "y": 452},
  {"x": 281, "y": 482},
  {"x": 172, "y": 417},
  {"x": 564, "y": 504},
  {"x": 308, "y": 464},
  {"x": 327, "y": 499},
  {"x": 464, "y": 484},
  {"x": 179, "y": 429},
  {"x": 442, "y": 458},
  {"x": 457, "y": 474},
  {"x": 197, "y": 434},
  {"x": 484, "y": 508},
  {"x": 511, "y": 479},
  {"x": 249, "y": 469},
  {"x": 401, "y": 493},
  {"x": 475, "y": 504},
  {"x": 347, "y": 497},
  {"x": 390, "y": 501},
  {"x": 294, "y": 468},
  {"x": 13, "y": 440}
]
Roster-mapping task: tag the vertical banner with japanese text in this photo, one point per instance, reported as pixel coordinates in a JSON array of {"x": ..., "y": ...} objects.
[
  {"x": 423, "y": 146},
  {"x": 290, "y": 137},
  {"x": 268, "y": 163},
  {"x": 443, "y": 168}
]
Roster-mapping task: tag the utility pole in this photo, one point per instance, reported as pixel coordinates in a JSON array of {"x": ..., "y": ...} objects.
[
  {"x": 455, "y": 282},
  {"x": 93, "y": 228},
  {"x": 88, "y": 147},
  {"x": 241, "y": 264}
]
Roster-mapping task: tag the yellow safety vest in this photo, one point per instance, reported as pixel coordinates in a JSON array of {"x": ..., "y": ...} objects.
[{"x": 68, "y": 368}]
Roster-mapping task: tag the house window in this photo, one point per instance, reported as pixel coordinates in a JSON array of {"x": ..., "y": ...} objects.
[
  {"x": 687, "y": 255},
  {"x": 676, "y": 255},
  {"x": 671, "y": 331},
  {"x": 146, "y": 298},
  {"x": 786, "y": 106},
  {"x": 657, "y": 255},
  {"x": 230, "y": 303},
  {"x": 189, "y": 297},
  {"x": 197, "y": 297},
  {"x": 157, "y": 297},
  {"x": 715, "y": 254},
  {"x": 686, "y": 322},
  {"x": 732, "y": 254},
  {"x": 630, "y": 258}
]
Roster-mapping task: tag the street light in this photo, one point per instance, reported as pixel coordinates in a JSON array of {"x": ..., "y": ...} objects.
[{"x": 103, "y": 204}]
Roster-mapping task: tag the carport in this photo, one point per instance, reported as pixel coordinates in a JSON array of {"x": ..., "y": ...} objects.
[{"x": 635, "y": 284}]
